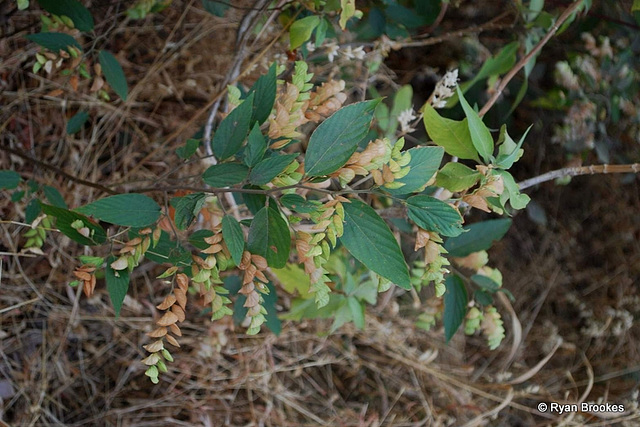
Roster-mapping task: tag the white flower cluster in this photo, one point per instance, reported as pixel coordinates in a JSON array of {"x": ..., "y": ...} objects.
[
  {"x": 347, "y": 52},
  {"x": 404, "y": 119},
  {"x": 445, "y": 89}
]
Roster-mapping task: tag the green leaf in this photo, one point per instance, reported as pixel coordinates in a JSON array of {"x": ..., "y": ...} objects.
[
  {"x": 187, "y": 209},
  {"x": 435, "y": 215},
  {"x": 635, "y": 7},
  {"x": 55, "y": 42},
  {"x": 425, "y": 162},
  {"x": 233, "y": 237},
  {"x": 113, "y": 73},
  {"x": 9, "y": 180},
  {"x": 457, "y": 177},
  {"x": 167, "y": 251},
  {"x": 225, "y": 174},
  {"x": 502, "y": 62},
  {"x": 197, "y": 238},
  {"x": 254, "y": 202},
  {"x": 449, "y": 134},
  {"x": 79, "y": 14},
  {"x": 293, "y": 278},
  {"x": 265, "y": 95},
  {"x": 32, "y": 211},
  {"x": 337, "y": 138},
  {"x": 76, "y": 122},
  {"x": 300, "y": 31},
  {"x": 479, "y": 237},
  {"x": 509, "y": 152},
  {"x": 368, "y": 238},
  {"x": 117, "y": 285},
  {"x": 270, "y": 167},
  {"x": 64, "y": 219},
  {"x": 233, "y": 129},
  {"x": 455, "y": 305},
  {"x": 256, "y": 147},
  {"x": 16, "y": 196},
  {"x": 512, "y": 192},
  {"x": 480, "y": 135},
  {"x": 189, "y": 148},
  {"x": 269, "y": 236},
  {"x": 272, "y": 321},
  {"x": 486, "y": 283},
  {"x": 402, "y": 100},
  {"x": 54, "y": 197},
  {"x": 297, "y": 203},
  {"x": 357, "y": 312},
  {"x": 342, "y": 315},
  {"x": 129, "y": 210},
  {"x": 215, "y": 7}
]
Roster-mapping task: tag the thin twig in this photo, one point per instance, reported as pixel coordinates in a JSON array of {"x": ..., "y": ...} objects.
[
  {"x": 525, "y": 59},
  {"x": 59, "y": 171},
  {"x": 577, "y": 171}
]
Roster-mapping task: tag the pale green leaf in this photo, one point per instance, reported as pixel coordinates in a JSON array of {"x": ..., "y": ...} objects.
[
  {"x": 480, "y": 135},
  {"x": 457, "y": 177},
  {"x": 449, "y": 134},
  {"x": 301, "y": 30}
]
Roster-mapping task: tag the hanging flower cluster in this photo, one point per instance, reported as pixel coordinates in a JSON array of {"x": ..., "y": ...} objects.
[
  {"x": 206, "y": 274},
  {"x": 134, "y": 249},
  {"x": 253, "y": 286},
  {"x": 314, "y": 247},
  {"x": 174, "y": 306},
  {"x": 432, "y": 267}
]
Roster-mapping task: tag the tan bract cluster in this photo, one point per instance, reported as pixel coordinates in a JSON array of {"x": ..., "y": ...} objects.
[{"x": 253, "y": 285}]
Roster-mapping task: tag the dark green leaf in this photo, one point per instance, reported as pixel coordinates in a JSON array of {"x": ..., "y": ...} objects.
[
  {"x": 482, "y": 297},
  {"x": 486, "y": 283},
  {"x": 270, "y": 167},
  {"x": 479, "y": 237},
  {"x": 425, "y": 162},
  {"x": 16, "y": 196},
  {"x": 297, "y": 203},
  {"x": 265, "y": 95},
  {"x": 272, "y": 321},
  {"x": 337, "y": 138},
  {"x": 64, "y": 219},
  {"x": 9, "y": 180},
  {"x": 189, "y": 148},
  {"x": 269, "y": 236},
  {"x": 480, "y": 135},
  {"x": 256, "y": 146},
  {"x": 168, "y": 251},
  {"x": 129, "y": 210},
  {"x": 217, "y": 8},
  {"x": 225, "y": 174},
  {"x": 113, "y": 73},
  {"x": 117, "y": 284},
  {"x": 435, "y": 215},
  {"x": 233, "y": 237},
  {"x": 54, "y": 197},
  {"x": 79, "y": 14},
  {"x": 187, "y": 209},
  {"x": 55, "y": 42},
  {"x": 197, "y": 238},
  {"x": 233, "y": 130},
  {"x": 451, "y": 135},
  {"x": 32, "y": 211},
  {"x": 457, "y": 177},
  {"x": 254, "y": 202},
  {"x": 368, "y": 238},
  {"x": 455, "y": 305},
  {"x": 76, "y": 122}
]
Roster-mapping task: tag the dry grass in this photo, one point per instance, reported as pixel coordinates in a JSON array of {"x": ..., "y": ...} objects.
[{"x": 65, "y": 360}]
